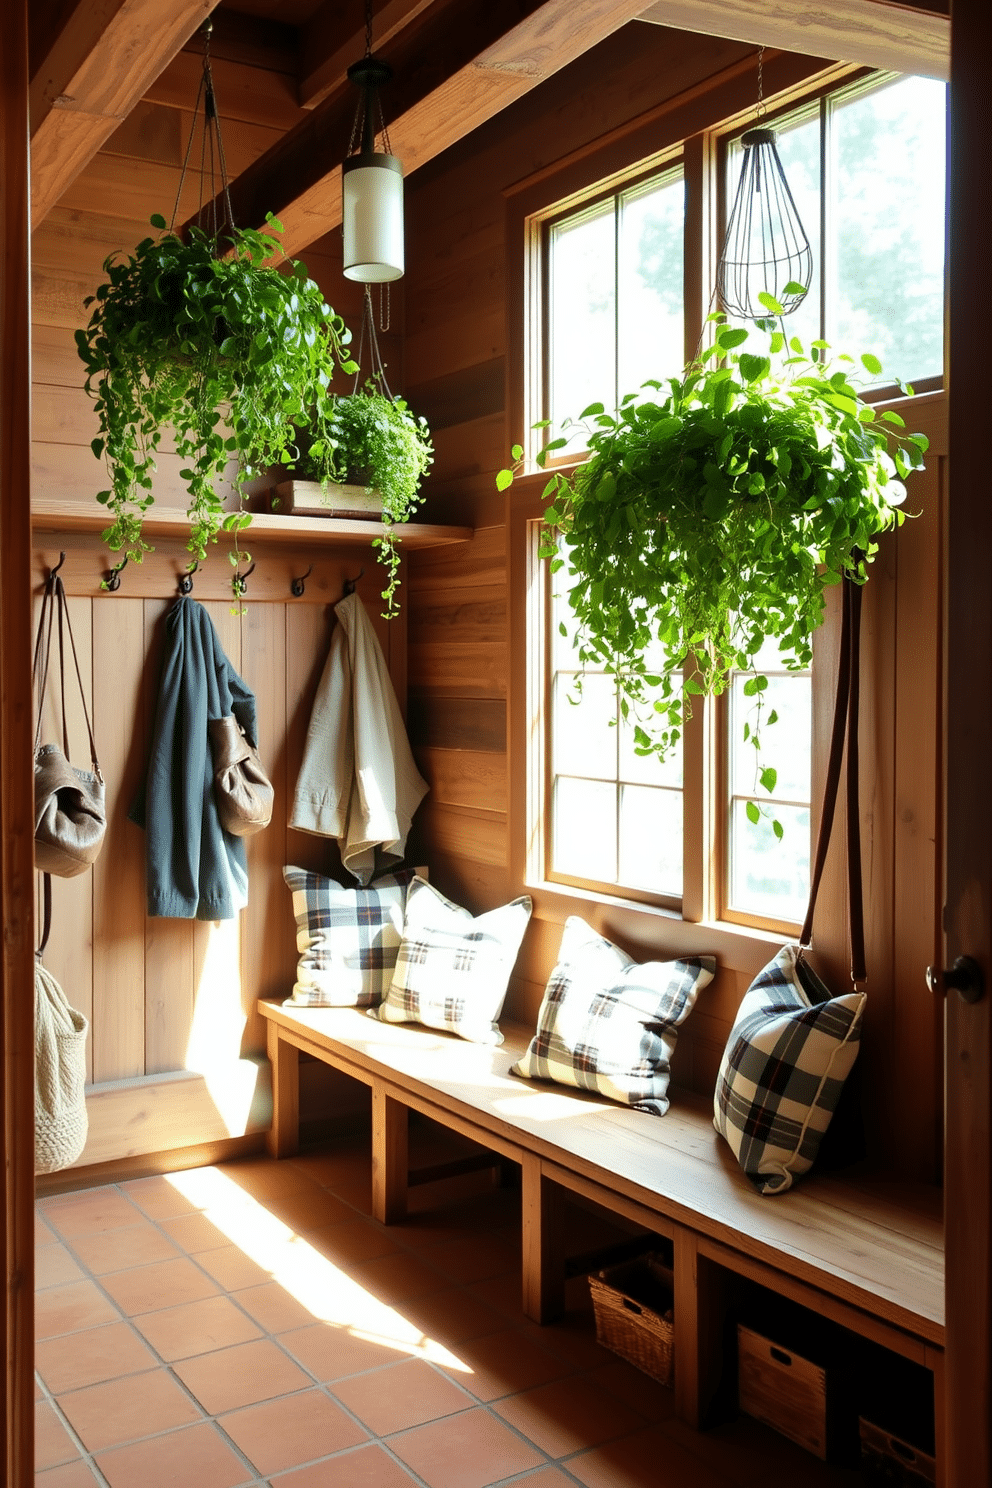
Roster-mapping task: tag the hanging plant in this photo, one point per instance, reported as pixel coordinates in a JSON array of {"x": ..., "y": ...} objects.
[
  {"x": 374, "y": 440},
  {"x": 222, "y": 350},
  {"x": 712, "y": 515}
]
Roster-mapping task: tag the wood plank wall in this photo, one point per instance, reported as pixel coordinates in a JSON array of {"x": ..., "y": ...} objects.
[
  {"x": 170, "y": 1002},
  {"x": 457, "y": 319}
]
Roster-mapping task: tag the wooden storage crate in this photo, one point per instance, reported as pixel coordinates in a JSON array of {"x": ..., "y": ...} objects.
[
  {"x": 886, "y": 1458},
  {"x": 306, "y": 498},
  {"x": 633, "y": 1306},
  {"x": 785, "y": 1391}
]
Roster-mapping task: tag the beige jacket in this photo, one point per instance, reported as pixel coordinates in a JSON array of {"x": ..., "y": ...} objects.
[{"x": 358, "y": 781}]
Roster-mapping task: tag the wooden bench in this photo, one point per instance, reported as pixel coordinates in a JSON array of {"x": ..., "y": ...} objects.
[{"x": 865, "y": 1253}]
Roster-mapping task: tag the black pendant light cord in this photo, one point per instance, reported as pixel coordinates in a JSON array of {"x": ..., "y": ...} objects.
[{"x": 212, "y": 156}]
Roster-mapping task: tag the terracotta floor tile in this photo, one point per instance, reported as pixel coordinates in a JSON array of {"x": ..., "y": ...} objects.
[
  {"x": 193, "y": 1233},
  {"x": 42, "y": 1234},
  {"x": 352, "y": 1242},
  {"x": 314, "y": 1209},
  {"x": 452, "y": 1316},
  {"x": 260, "y": 1176},
  {"x": 53, "y": 1266},
  {"x": 332, "y": 1353},
  {"x": 52, "y": 1442},
  {"x": 273, "y": 1308},
  {"x": 398, "y": 1277},
  {"x": 400, "y": 1396},
  {"x": 572, "y": 1338},
  {"x": 366, "y": 1467},
  {"x": 505, "y": 1363},
  {"x": 232, "y": 1269},
  {"x": 70, "y": 1475},
  {"x": 93, "y": 1356},
  {"x": 119, "y": 1250},
  {"x": 474, "y": 1257},
  {"x": 567, "y": 1415},
  {"x": 159, "y": 1198},
  {"x": 243, "y": 1375},
  {"x": 39, "y": 1393},
  {"x": 196, "y": 1328},
  {"x": 162, "y": 1284},
  {"x": 745, "y": 1453},
  {"x": 127, "y": 1409},
  {"x": 634, "y": 1388},
  {"x": 645, "y": 1461},
  {"x": 546, "y": 1477},
  {"x": 89, "y": 1212},
  {"x": 66, "y": 1309},
  {"x": 470, "y": 1450},
  {"x": 284, "y": 1433},
  {"x": 197, "y": 1457},
  {"x": 503, "y": 1292}
]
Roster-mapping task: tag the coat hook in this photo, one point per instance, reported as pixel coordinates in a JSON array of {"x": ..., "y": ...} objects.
[
  {"x": 239, "y": 582},
  {"x": 298, "y": 585},
  {"x": 54, "y": 571},
  {"x": 349, "y": 584},
  {"x": 113, "y": 580},
  {"x": 186, "y": 579}
]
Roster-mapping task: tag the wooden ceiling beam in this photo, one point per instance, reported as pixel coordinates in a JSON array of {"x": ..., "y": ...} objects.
[
  {"x": 325, "y": 59},
  {"x": 454, "y": 67},
  {"x": 877, "y": 34},
  {"x": 101, "y": 63}
]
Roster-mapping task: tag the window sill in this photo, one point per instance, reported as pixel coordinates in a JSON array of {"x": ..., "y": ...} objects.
[{"x": 651, "y": 931}]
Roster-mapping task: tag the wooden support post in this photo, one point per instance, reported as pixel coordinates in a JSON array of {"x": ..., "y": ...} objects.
[
  {"x": 543, "y": 1267},
  {"x": 935, "y": 1361},
  {"x": 700, "y": 1309},
  {"x": 284, "y": 1136},
  {"x": 390, "y": 1156}
]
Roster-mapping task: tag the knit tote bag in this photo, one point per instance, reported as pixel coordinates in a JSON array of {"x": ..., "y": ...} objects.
[{"x": 60, "y": 1122}]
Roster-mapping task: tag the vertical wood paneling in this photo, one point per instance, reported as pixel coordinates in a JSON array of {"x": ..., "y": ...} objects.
[
  {"x": 267, "y": 943},
  {"x": 118, "y": 1041}
]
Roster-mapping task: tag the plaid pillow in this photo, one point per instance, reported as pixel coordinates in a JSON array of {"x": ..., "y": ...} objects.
[
  {"x": 347, "y": 938},
  {"x": 452, "y": 969},
  {"x": 788, "y": 1055},
  {"x": 608, "y": 1024}
]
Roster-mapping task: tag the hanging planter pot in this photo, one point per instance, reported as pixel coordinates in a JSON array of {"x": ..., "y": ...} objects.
[{"x": 712, "y": 514}]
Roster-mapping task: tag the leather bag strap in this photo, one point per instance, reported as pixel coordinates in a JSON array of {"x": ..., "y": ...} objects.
[
  {"x": 55, "y": 599},
  {"x": 46, "y": 925},
  {"x": 845, "y": 728}
]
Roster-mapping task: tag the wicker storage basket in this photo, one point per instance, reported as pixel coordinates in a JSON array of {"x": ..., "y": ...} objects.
[{"x": 633, "y": 1306}]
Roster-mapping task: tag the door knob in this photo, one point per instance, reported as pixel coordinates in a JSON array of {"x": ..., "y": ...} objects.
[{"x": 964, "y": 977}]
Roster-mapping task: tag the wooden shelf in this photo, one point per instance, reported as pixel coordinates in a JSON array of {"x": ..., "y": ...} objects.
[{"x": 162, "y": 522}]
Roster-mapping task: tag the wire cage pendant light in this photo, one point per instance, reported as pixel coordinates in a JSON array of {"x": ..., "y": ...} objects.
[
  {"x": 372, "y": 184},
  {"x": 766, "y": 251}
]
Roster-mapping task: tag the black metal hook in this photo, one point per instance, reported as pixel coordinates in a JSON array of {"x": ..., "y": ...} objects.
[
  {"x": 239, "y": 582},
  {"x": 113, "y": 580},
  {"x": 298, "y": 585},
  {"x": 349, "y": 584},
  {"x": 54, "y": 571},
  {"x": 186, "y": 579}
]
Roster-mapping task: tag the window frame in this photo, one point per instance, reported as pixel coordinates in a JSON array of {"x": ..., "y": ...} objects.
[{"x": 682, "y": 127}]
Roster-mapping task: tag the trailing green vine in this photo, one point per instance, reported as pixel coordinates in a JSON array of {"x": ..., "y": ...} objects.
[
  {"x": 713, "y": 513},
  {"x": 227, "y": 352}
]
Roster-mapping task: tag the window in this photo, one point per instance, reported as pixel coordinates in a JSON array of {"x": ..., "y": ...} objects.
[
  {"x": 614, "y": 296},
  {"x": 865, "y": 165},
  {"x": 615, "y": 281}
]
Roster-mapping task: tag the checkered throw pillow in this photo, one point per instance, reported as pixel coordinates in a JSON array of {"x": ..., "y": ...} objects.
[
  {"x": 452, "y": 969},
  {"x": 347, "y": 938},
  {"x": 788, "y": 1055},
  {"x": 609, "y": 1024}
]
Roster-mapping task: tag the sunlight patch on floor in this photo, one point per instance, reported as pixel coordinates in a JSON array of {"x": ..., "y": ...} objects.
[{"x": 330, "y": 1294}]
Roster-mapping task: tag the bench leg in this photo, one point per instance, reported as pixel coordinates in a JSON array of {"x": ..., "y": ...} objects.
[
  {"x": 283, "y": 1139},
  {"x": 543, "y": 1268},
  {"x": 700, "y": 1309},
  {"x": 390, "y": 1160}
]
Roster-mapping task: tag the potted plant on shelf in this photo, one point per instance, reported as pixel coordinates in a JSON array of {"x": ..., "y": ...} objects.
[
  {"x": 225, "y": 351},
  {"x": 712, "y": 514},
  {"x": 376, "y": 449}
]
